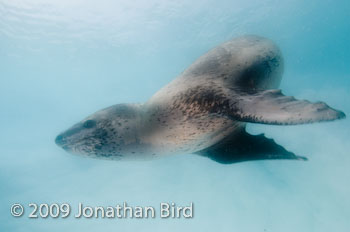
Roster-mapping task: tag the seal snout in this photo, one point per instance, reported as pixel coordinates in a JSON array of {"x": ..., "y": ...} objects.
[{"x": 60, "y": 141}]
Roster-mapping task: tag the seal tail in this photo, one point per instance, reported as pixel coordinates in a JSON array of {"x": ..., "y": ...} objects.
[
  {"x": 246, "y": 147},
  {"x": 272, "y": 107}
]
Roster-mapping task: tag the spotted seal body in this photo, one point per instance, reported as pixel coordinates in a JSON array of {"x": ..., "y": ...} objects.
[{"x": 203, "y": 111}]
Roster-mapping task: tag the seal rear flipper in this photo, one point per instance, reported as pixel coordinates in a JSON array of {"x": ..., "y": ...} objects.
[
  {"x": 272, "y": 107},
  {"x": 245, "y": 147}
]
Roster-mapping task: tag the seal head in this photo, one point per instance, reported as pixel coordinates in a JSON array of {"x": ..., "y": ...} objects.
[{"x": 103, "y": 134}]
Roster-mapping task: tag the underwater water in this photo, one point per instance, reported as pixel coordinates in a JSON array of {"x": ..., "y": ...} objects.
[{"x": 62, "y": 60}]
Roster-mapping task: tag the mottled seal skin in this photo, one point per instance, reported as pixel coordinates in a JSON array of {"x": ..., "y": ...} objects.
[{"x": 208, "y": 103}]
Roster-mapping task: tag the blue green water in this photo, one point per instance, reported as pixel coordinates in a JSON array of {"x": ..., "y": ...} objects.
[{"x": 62, "y": 60}]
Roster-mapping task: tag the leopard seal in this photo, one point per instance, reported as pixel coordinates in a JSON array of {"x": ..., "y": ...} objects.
[{"x": 203, "y": 111}]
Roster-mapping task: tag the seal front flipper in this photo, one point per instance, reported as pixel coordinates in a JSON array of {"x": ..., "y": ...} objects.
[
  {"x": 272, "y": 107},
  {"x": 242, "y": 146}
]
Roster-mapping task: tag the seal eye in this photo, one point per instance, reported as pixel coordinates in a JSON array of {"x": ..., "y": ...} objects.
[{"x": 89, "y": 124}]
